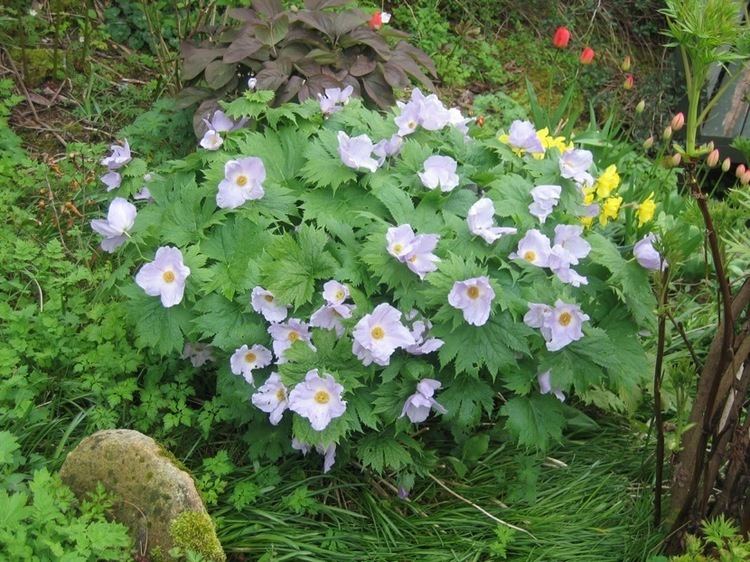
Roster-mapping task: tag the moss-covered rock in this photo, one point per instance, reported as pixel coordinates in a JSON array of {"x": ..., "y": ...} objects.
[{"x": 157, "y": 499}]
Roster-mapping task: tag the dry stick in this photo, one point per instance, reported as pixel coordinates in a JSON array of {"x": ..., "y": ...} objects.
[
  {"x": 481, "y": 510},
  {"x": 657, "y": 396}
]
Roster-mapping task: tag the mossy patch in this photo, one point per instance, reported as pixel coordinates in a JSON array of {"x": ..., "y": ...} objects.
[{"x": 194, "y": 530}]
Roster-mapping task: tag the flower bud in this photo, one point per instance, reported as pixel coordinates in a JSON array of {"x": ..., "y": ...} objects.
[
  {"x": 745, "y": 179},
  {"x": 648, "y": 143},
  {"x": 640, "y": 107},
  {"x": 561, "y": 37},
  {"x": 710, "y": 146},
  {"x": 676, "y": 159},
  {"x": 678, "y": 121},
  {"x": 626, "y": 63},
  {"x": 740, "y": 171},
  {"x": 629, "y": 82},
  {"x": 712, "y": 160},
  {"x": 667, "y": 133},
  {"x": 587, "y": 55},
  {"x": 725, "y": 165}
]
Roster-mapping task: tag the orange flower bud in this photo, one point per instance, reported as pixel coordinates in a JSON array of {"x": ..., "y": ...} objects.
[
  {"x": 676, "y": 159},
  {"x": 712, "y": 160},
  {"x": 739, "y": 171},
  {"x": 587, "y": 55},
  {"x": 561, "y": 38},
  {"x": 648, "y": 143},
  {"x": 745, "y": 179},
  {"x": 626, "y": 63},
  {"x": 678, "y": 121},
  {"x": 629, "y": 82}
]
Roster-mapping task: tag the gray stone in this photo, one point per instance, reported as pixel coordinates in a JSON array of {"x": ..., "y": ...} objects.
[{"x": 155, "y": 496}]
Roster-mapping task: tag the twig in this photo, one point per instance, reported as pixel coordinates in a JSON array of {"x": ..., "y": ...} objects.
[
  {"x": 480, "y": 509},
  {"x": 681, "y": 330},
  {"x": 661, "y": 337}
]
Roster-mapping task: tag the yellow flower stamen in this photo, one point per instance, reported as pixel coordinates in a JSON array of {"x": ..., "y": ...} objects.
[{"x": 322, "y": 397}]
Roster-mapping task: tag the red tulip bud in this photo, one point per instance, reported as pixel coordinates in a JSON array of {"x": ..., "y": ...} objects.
[
  {"x": 725, "y": 165},
  {"x": 587, "y": 55},
  {"x": 712, "y": 160},
  {"x": 561, "y": 38},
  {"x": 629, "y": 82},
  {"x": 678, "y": 121}
]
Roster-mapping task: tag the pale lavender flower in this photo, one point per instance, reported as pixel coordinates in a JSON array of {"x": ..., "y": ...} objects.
[
  {"x": 545, "y": 386},
  {"x": 330, "y": 316},
  {"x": 112, "y": 180},
  {"x": 198, "y": 353},
  {"x": 366, "y": 356},
  {"x": 286, "y": 333},
  {"x": 522, "y": 136},
  {"x": 334, "y": 292},
  {"x": 399, "y": 241},
  {"x": 420, "y": 259},
  {"x": 380, "y": 333},
  {"x": 570, "y": 238},
  {"x": 417, "y": 407},
  {"x": 537, "y": 316},
  {"x": 422, "y": 344},
  {"x": 298, "y": 445},
  {"x": 211, "y": 140},
  {"x": 407, "y": 120},
  {"x": 474, "y": 298},
  {"x": 433, "y": 115},
  {"x": 457, "y": 120},
  {"x": 143, "y": 195},
  {"x": 329, "y": 456},
  {"x": 245, "y": 360},
  {"x": 243, "y": 181},
  {"x": 265, "y": 303},
  {"x": 317, "y": 399},
  {"x": 387, "y": 147},
  {"x": 648, "y": 256},
  {"x": 356, "y": 152},
  {"x": 560, "y": 325},
  {"x": 560, "y": 261},
  {"x": 575, "y": 163},
  {"x": 119, "y": 157},
  {"x": 439, "y": 171},
  {"x": 482, "y": 222},
  {"x": 165, "y": 276},
  {"x": 533, "y": 248},
  {"x": 271, "y": 398},
  {"x": 545, "y": 198},
  {"x": 220, "y": 122},
  {"x": 120, "y": 219},
  {"x": 334, "y": 99}
]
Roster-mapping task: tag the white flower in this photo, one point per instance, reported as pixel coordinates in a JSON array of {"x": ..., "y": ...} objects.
[
  {"x": 243, "y": 181},
  {"x": 330, "y": 316},
  {"x": 120, "y": 219},
  {"x": 534, "y": 248},
  {"x": 575, "y": 163},
  {"x": 545, "y": 199},
  {"x": 380, "y": 333},
  {"x": 334, "y": 99},
  {"x": 522, "y": 136},
  {"x": 482, "y": 222},
  {"x": 334, "y": 292},
  {"x": 356, "y": 152},
  {"x": 112, "y": 180},
  {"x": 560, "y": 325},
  {"x": 419, "y": 328},
  {"x": 399, "y": 241},
  {"x": 198, "y": 353},
  {"x": 165, "y": 276},
  {"x": 285, "y": 334},
  {"x": 119, "y": 157},
  {"x": 545, "y": 386},
  {"x": 417, "y": 407},
  {"x": 271, "y": 398},
  {"x": 252, "y": 82},
  {"x": 457, "y": 120},
  {"x": 264, "y": 302},
  {"x": 474, "y": 298},
  {"x": 385, "y": 17},
  {"x": 245, "y": 360},
  {"x": 211, "y": 140},
  {"x": 317, "y": 399},
  {"x": 439, "y": 171}
]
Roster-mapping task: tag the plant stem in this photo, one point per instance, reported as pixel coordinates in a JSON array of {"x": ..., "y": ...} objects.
[{"x": 657, "y": 396}]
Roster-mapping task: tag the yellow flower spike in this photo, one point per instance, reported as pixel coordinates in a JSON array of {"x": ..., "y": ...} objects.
[
  {"x": 588, "y": 195},
  {"x": 646, "y": 210},
  {"x": 587, "y": 221},
  {"x": 549, "y": 141},
  {"x": 607, "y": 182},
  {"x": 610, "y": 210}
]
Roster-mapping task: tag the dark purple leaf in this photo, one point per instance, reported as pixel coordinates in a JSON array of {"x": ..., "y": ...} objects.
[
  {"x": 244, "y": 14},
  {"x": 323, "y": 4},
  {"x": 407, "y": 64},
  {"x": 269, "y": 8},
  {"x": 294, "y": 53},
  {"x": 322, "y": 56},
  {"x": 317, "y": 20},
  {"x": 273, "y": 75},
  {"x": 271, "y": 33},
  {"x": 394, "y": 75},
  {"x": 242, "y": 48},
  {"x": 219, "y": 73},
  {"x": 195, "y": 59},
  {"x": 362, "y": 65},
  {"x": 192, "y": 95},
  {"x": 418, "y": 55},
  {"x": 299, "y": 34},
  {"x": 344, "y": 22},
  {"x": 364, "y": 36},
  {"x": 317, "y": 83},
  {"x": 289, "y": 90},
  {"x": 378, "y": 90}
]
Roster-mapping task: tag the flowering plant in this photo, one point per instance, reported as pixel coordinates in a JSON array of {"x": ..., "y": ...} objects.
[{"x": 359, "y": 273}]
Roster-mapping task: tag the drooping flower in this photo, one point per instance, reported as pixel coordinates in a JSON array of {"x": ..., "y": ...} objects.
[
  {"x": 120, "y": 219},
  {"x": 648, "y": 256},
  {"x": 243, "y": 181},
  {"x": 112, "y": 180},
  {"x": 425, "y": 111},
  {"x": 356, "y": 152},
  {"x": 334, "y": 99},
  {"x": 607, "y": 182},
  {"x": 271, "y": 398},
  {"x": 574, "y": 164},
  {"x": 560, "y": 325},
  {"x": 119, "y": 157},
  {"x": 211, "y": 140},
  {"x": 419, "y": 328},
  {"x": 330, "y": 316},
  {"x": 329, "y": 455},
  {"x": 165, "y": 276},
  {"x": 561, "y": 38},
  {"x": 474, "y": 298},
  {"x": 560, "y": 261},
  {"x": 482, "y": 222},
  {"x": 533, "y": 248},
  {"x": 570, "y": 238},
  {"x": 265, "y": 303},
  {"x": 252, "y": 82},
  {"x": 458, "y": 121},
  {"x": 286, "y": 333},
  {"x": 417, "y": 407},
  {"x": 380, "y": 333},
  {"x": 198, "y": 353},
  {"x": 439, "y": 171},
  {"x": 545, "y": 198},
  {"x": 587, "y": 55},
  {"x": 407, "y": 120},
  {"x": 387, "y": 147},
  {"x": 245, "y": 360},
  {"x": 646, "y": 210},
  {"x": 610, "y": 210},
  {"x": 317, "y": 399},
  {"x": 420, "y": 259},
  {"x": 522, "y": 137},
  {"x": 545, "y": 386}
]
